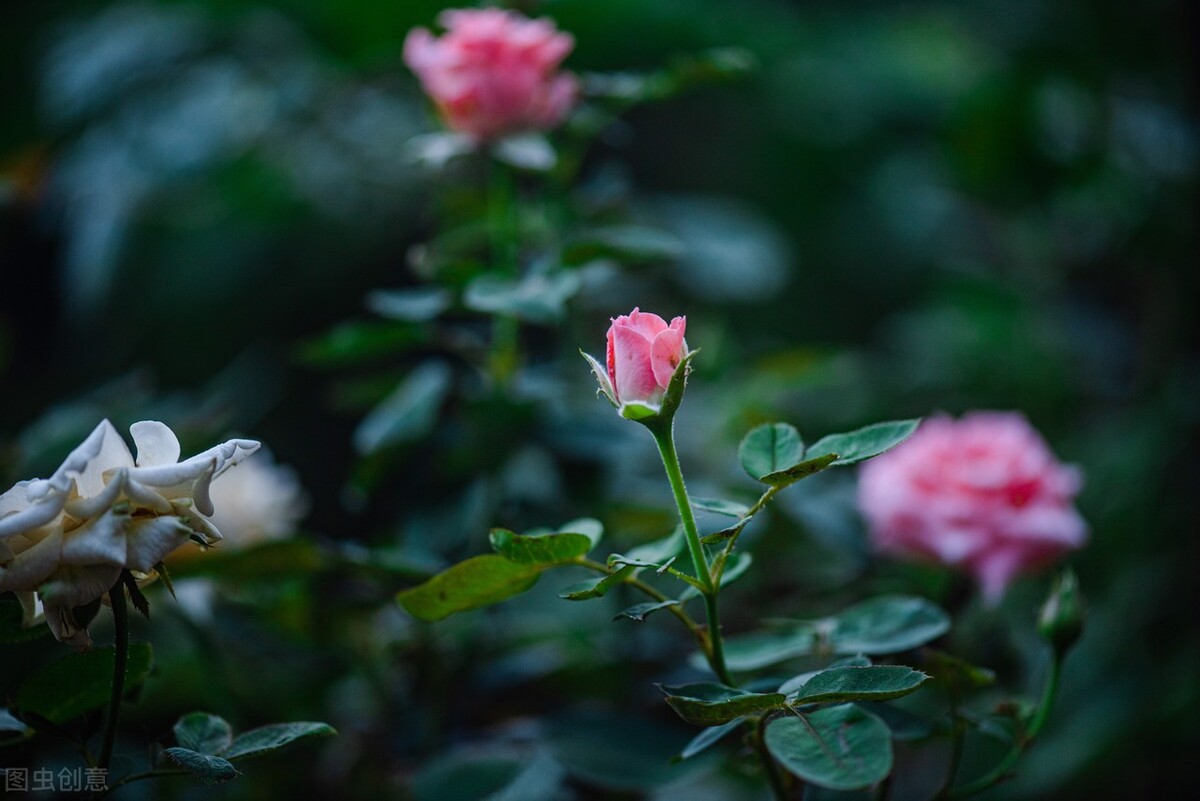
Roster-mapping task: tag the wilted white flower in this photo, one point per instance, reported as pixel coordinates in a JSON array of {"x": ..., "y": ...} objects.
[{"x": 68, "y": 537}]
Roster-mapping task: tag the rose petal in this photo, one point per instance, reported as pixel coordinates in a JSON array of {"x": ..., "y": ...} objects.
[
  {"x": 156, "y": 444},
  {"x": 665, "y": 355},
  {"x": 30, "y": 567},
  {"x": 634, "y": 374},
  {"x": 100, "y": 541}
]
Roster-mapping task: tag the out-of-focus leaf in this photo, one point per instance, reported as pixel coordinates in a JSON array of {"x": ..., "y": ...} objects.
[
  {"x": 203, "y": 732},
  {"x": 539, "y": 550},
  {"x": 839, "y": 747},
  {"x": 529, "y": 151},
  {"x": 409, "y": 412},
  {"x": 855, "y": 446},
  {"x": 353, "y": 343},
  {"x": 630, "y": 244},
  {"x": 417, "y": 304},
  {"x": 80, "y": 682},
  {"x": 490, "y": 778},
  {"x": 887, "y": 624},
  {"x": 709, "y": 704},
  {"x": 719, "y": 507},
  {"x": 708, "y": 738},
  {"x": 205, "y": 767},
  {"x": 479, "y": 581},
  {"x": 10, "y": 724},
  {"x": 616, "y": 752},
  {"x": 537, "y": 298},
  {"x": 273, "y": 737}
]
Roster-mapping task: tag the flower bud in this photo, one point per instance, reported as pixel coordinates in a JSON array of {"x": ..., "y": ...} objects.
[
  {"x": 644, "y": 354},
  {"x": 1061, "y": 620}
]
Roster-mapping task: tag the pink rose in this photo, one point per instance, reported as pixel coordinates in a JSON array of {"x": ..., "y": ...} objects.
[
  {"x": 643, "y": 354},
  {"x": 983, "y": 494},
  {"x": 494, "y": 72}
]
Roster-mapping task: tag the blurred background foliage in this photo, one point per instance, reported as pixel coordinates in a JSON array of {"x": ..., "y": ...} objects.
[{"x": 906, "y": 208}]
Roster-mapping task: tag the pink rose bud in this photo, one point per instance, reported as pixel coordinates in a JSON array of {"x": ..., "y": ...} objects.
[
  {"x": 494, "y": 72},
  {"x": 983, "y": 494},
  {"x": 643, "y": 356}
]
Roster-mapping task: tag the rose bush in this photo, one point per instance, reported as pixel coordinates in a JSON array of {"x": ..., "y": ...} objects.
[
  {"x": 494, "y": 72},
  {"x": 983, "y": 494},
  {"x": 65, "y": 540}
]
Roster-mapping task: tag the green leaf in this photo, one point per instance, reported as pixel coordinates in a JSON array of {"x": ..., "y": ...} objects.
[
  {"x": 596, "y": 587},
  {"x": 80, "y": 682},
  {"x": 887, "y": 624},
  {"x": 209, "y": 769},
  {"x": 719, "y": 507},
  {"x": 274, "y": 736},
  {"x": 203, "y": 732},
  {"x": 12, "y": 616},
  {"x": 407, "y": 414},
  {"x": 872, "y": 440},
  {"x": 640, "y": 612},
  {"x": 770, "y": 448},
  {"x": 853, "y": 683},
  {"x": 546, "y": 549},
  {"x": 710, "y": 704},
  {"x": 538, "y": 298},
  {"x": 589, "y": 527},
  {"x": 796, "y": 682},
  {"x": 708, "y": 738},
  {"x": 479, "y": 581},
  {"x": 631, "y": 244},
  {"x": 838, "y": 747},
  {"x": 808, "y": 467}
]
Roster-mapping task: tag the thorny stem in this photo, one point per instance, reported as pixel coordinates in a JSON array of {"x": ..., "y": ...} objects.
[
  {"x": 1024, "y": 737},
  {"x": 676, "y": 608}
]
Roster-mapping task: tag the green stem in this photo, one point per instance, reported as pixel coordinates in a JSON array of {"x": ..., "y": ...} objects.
[
  {"x": 116, "y": 596},
  {"x": 676, "y": 608},
  {"x": 665, "y": 438},
  {"x": 504, "y": 247},
  {"x": 1024, "y": 738}
]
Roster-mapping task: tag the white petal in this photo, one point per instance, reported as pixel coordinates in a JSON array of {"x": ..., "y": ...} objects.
[
  {"x": 16, "y": 499},
  {"x": 61, "y": 619},
  {"x": 156, "y": 443},
  {"x": 34, "y": 516},
  {"x": 146, "y": 498},
  {"x": 73, "y": 585},
  {"x": 102, "y": 450},
  {"x": 85, "y": 508},
  {"x": 31, "y": 567},
  {"x": 151, "y": 539},
  {"x": 100, "y": 541},
  {"x": 31, "y": 608}
]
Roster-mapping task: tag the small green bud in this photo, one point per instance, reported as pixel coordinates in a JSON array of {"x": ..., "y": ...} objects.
[{"x": 1061, "y": 620}]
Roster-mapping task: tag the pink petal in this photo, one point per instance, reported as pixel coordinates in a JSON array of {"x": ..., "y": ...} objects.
[
  {"x": 631, "y": 365},
  {"x": 665, "y": 355}
]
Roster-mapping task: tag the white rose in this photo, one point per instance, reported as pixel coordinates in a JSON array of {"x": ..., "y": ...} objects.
[
  {"x": 68, "y": 537},
  {"x": 262, "y": 502}
]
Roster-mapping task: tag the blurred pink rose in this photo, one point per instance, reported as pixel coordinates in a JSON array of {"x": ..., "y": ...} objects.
[
  {"x": 643, "y": 352},
  {"x": 983, "y": 494},
  {"x": 494, "y": 72}
]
